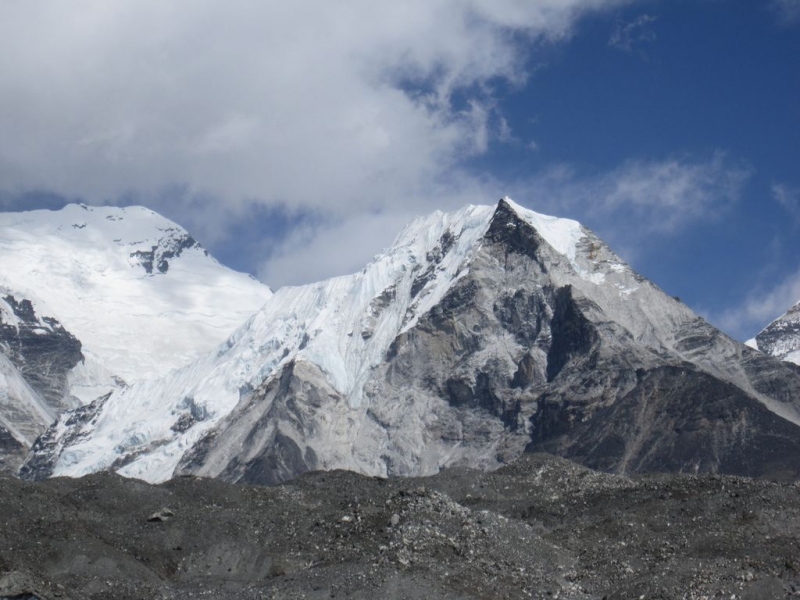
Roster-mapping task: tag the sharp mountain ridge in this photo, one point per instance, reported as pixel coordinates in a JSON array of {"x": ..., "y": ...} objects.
[
  {"x": 781, "y": 338},
  {"x": 477, "y": 336}
]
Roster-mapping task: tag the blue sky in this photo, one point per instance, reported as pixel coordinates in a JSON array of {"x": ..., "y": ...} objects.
[{"x": 295, "y": 139}]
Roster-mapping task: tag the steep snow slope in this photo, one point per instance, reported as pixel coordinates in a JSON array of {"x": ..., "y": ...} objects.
[
  {"x": 781, "y": 338},
  {"x": 340, "y": 323},
  {"x": 476, "y": 332},
  {"x": 138, "y": 292}
]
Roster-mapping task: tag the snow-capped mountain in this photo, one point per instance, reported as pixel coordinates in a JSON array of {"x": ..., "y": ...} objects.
[
  {"x": 141, "y": 295},
  {"x": 477, "y": 335},
  {"x": 781, "y": 338},
  {"x": 92, "y": 298}
]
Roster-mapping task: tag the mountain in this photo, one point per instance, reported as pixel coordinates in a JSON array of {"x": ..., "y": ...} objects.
[
  {"x": 781, "y": 338},
  {"x": 137, "y": 290},
  {"x": 94, "y": 298},
  {"x": 477, "y": 336}
]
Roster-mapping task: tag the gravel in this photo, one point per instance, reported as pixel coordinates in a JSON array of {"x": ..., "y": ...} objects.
[{"x": 542, "y": 527}]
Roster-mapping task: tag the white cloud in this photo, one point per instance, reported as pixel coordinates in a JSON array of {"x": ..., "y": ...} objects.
[
  {"x": 670, "y": 194},
  {"x": 627, "y": 35},
  {"x": 762, "y": 306},
  {"x": 627, "y": 205},
  {"x": 343, "y": 106},
  {"x": 327, "y": 247},
  {"x": 787, "y": 11},
  {"x": 638, "y": 199},
  {"x": 318, "y": 251},
  {"x": 205, "y": 110},
  {"x": 788, "y": 197}
]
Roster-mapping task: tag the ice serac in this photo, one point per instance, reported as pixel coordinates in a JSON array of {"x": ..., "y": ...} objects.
[
  {"x": 781, "y": 338},
  {"x": 477, "y": 336},
  {"x": 141, "y": 295}
]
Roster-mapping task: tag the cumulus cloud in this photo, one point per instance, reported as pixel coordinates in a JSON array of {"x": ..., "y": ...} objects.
[
  {"x": 208, "y": 111},
  {"x": 342, "y": 106}
]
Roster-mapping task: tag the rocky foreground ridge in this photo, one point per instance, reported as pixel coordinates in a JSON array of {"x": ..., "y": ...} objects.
[{"x": 539, "y": 528}]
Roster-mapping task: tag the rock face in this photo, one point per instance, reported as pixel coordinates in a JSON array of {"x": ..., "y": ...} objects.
[
  {"x": 781, "y": 338},
  {"x": 479, "y": 335},
  {"x": 40, "y": 348},
  {"x": 36, "y": 357}
]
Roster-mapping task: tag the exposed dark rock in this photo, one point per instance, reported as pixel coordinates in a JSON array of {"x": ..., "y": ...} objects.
[
  {"x": 422, "y": 280},
  {"x": 675, "y": 419},
  {"x": 42, "y": 350},
  {"x": 12, "y": 452},
  {"x": 530, "y": 347},
  {"x": 383, "y": 300},
  {"x": 282, "y": 461},
  {"x": 39, "y": 464},
  {"x": 158, "y": 257},
  {"x": 571, "y": 332},
  {"x": 512, "y": 233},
  {"x": 433, "y": 258},
  {"x": 525, "y": 373},
  {"x": 524, "y": 314}
]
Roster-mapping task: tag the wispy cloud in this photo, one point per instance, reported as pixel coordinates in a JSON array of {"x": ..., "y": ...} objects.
[
  {"x": 788, "y": 197},
  {"x": 786, "y": 11},
  {"x": 672, "y": 193},
  {"x": 762, "y": 306},
  {"x": 320, "y": 250},
  {"x": 639, "y": 199},
  {"x": 631, "y": 204},
  {"x": 627, "y": 35}
]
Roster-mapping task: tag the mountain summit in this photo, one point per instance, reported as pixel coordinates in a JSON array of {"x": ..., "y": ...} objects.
[
  {"x": 136, "y": 289},
  {"x": 479, "y": 335},
  {"x": 781, "y": 338},
  {"x": 95, "y": 298}
]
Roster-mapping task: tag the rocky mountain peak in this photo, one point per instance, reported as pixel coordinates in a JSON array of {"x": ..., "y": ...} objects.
[
  {"x": 478, "y": 335},
  {"x": 781, "y": 338}
]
